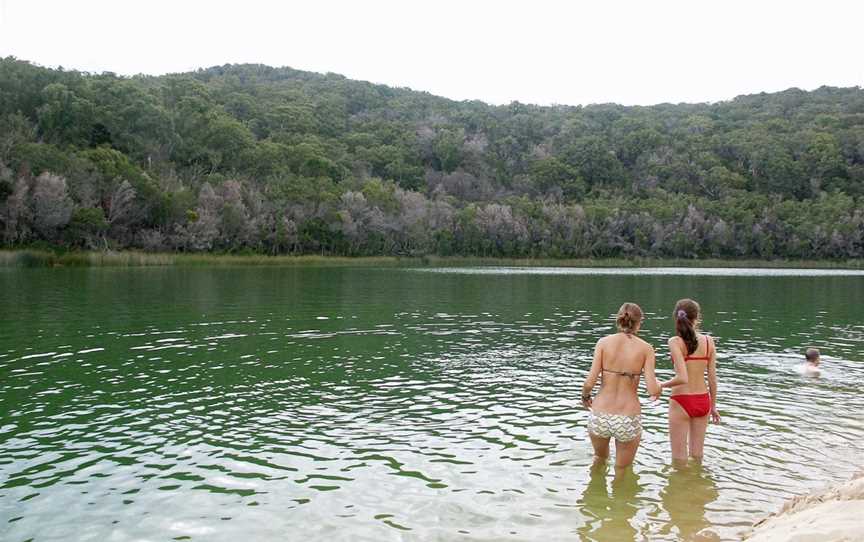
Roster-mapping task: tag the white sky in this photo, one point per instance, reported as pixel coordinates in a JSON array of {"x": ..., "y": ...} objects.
[{"x": 540, "y": 51}]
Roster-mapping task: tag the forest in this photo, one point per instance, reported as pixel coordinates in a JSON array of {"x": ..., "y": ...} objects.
[{"x": 255, "y": 159}]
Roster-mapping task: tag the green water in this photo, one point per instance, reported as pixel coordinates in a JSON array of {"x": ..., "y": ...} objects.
[{"x": 400, "y": 404}]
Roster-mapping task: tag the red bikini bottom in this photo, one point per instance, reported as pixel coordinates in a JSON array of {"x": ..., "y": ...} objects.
[{"x": 695, "y": 405}]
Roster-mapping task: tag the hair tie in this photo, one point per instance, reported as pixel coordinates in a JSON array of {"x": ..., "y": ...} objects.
[{"x": 682, "y": 315}]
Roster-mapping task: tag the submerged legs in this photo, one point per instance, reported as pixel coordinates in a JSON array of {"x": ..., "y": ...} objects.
[
  {"x": 625, "y": 452},
  {"x": 679, "y": 429},
  {"x": 601, "y": 448},
  {"x": 698, "y": 428}
]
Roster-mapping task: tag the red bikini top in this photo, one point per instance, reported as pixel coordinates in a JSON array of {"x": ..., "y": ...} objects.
[{"x": 707, "y": 355}]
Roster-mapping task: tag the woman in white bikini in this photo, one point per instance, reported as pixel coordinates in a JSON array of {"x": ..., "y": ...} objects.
[{"x": 616, "y": 413}]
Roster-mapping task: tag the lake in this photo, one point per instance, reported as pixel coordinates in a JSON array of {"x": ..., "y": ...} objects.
[{"x": 338, "y": 403}]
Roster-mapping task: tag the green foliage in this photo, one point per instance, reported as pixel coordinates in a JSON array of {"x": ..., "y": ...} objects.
[
  {"x": 87, "y": 226},
  {"x": 37, "y": 158},
  {"x": 447, "y": 148},
  {"x": 112, "y": 164},
  {"x": 381, "y": 194},
  {"x": 15, "y": 129},
  {"x": 550, "y": 173},
  {"x": 595, "y": 161},
  {"x": 64, "y": 116},
  {"x": 249, "y": 157}
]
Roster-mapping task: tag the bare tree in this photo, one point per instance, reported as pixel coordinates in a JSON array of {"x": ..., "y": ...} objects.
[
  {"x": 16, "y": 214},
  {"x": 359, "y": 220},
  {"x": 51, "y": 205},
  {"x": 120, "y": 206},
  {"x": 234, "y": 218},
  {"x": 506, "y": 233},
  {"x": 201, "y": 232}
]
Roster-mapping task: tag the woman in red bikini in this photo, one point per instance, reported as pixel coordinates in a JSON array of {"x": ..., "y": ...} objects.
[{"x": 694, "y": 357}]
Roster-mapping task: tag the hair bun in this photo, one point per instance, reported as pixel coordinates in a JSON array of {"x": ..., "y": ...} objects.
[{"x": 629, "y": 316}]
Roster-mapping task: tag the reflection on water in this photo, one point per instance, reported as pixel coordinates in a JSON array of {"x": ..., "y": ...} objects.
[
  {"x": 609, "y": 514},
  {"x": 385, "y": 404},
  {"x": 688, "y": 492},
  {"x": 647, "y": 271}
]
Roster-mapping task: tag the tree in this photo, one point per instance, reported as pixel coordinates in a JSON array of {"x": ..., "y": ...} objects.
[
  {"x": 15, "y": 213},
  {"x": 249, "y": 157},
  {"x": 361, "y": 222},
  {"x": 50, "y": 204},
  {"x": 551, "y": 173},
  {"x": 234, "y": 219},
  {"x": 87, "y": 227},
  {"x": 121, "y": 204},
  {"x": 15, "y": 129},
  {"x": 201, "y": 232},
  {"x": 824, "y": 162},
  {"x": 447, "y": 149},
  {"x": 595, "y": 161},
  {"x": 64, "y": 116}
]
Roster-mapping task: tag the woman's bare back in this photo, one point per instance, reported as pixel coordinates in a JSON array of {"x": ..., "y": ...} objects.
[
  {"x": 623, "y": 358},
  {"x": 696, "y": 364}
]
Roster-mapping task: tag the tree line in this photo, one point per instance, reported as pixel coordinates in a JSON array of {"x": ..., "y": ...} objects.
[{"x": 249, "y": 158}]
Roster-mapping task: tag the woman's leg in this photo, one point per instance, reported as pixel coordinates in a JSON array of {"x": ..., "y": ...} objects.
[
  {"x": 625, "y": 452},
  {"x": 698, "y": 428},
  {"x": 679, "y": 427},
  {"x": 601, "y": 448}
]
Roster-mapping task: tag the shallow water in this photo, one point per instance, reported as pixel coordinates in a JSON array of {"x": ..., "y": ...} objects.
[{"x": 390, "y": 404}]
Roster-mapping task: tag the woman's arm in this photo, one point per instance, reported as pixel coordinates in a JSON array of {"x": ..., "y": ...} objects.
[
  {"x": 680, "y": 366},
  {"x": 593, "y": 375},
  {"x": 712, "y": 382},
  {"x": 651, "y": 383}
]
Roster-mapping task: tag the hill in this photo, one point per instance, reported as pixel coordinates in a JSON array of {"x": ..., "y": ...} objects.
[{"x": 281, "y": 161}]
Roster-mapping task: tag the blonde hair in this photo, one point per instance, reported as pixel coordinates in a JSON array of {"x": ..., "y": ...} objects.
[{"x": 629, "y": 317}]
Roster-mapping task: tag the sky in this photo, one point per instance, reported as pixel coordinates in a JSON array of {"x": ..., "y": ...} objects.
[{"x": 539, "y": 51}]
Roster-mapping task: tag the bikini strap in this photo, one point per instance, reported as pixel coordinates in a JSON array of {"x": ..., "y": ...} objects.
[
  {"x": 687, "y": 354},
  {"x": 623, "y": 373},
  {"x": 707, "y": 355}
]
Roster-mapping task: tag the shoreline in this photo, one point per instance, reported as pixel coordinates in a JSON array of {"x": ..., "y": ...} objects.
[
  {"x": 45, "y": 258},
  {"x": 833, "y": 513}
]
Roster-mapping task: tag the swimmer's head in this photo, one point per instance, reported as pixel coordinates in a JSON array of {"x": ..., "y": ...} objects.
[
  {"x": 629, "y": 318},
  {"x": 812, "y": 355}
]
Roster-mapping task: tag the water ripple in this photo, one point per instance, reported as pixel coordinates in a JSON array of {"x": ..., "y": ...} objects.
[{"x": 382, "y": 405}]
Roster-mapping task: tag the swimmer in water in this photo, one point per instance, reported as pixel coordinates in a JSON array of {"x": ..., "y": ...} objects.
[{"x": 812, "y": 360}]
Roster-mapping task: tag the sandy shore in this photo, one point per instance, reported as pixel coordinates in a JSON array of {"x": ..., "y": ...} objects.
[{"x": 834, "y": 514}]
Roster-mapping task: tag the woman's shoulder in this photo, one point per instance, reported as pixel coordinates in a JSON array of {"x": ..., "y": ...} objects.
[
  {"x": 645, "y": 344},
  {"x": 602, "y": 342},
  {"x": 609, "y": 338},
  {"x": 677, "y": 343},
  {"x": 712, "y": 343}
]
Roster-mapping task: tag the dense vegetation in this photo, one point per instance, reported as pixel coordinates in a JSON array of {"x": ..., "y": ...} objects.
[{"x": 279, "y": 161}]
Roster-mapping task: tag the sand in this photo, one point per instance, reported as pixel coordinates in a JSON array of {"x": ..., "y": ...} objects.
[{"x": 834, "y": 514}]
